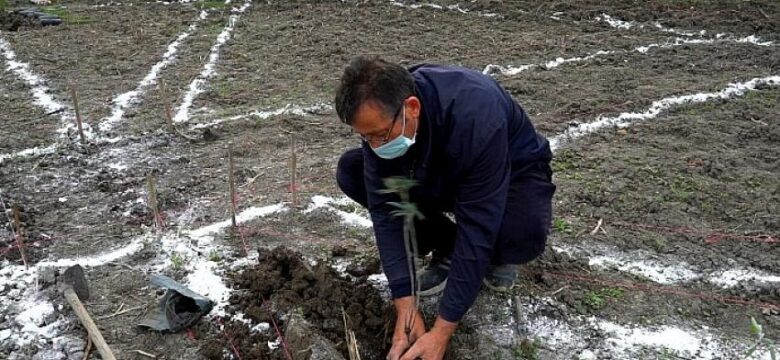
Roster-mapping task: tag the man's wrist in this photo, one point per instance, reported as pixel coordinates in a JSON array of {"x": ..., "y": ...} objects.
[
  {"x": 403, "y": 303},
  {"x": 444, "y": 328}
]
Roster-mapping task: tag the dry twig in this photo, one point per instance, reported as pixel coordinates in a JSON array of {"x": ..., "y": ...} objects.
[
  {"x": 598, "y": 226},
  {"x": 144, "y": 353},
  {"x": 293, "y": 171},
  {"x": 20, "y": 236},
  {"x": 232, "y": 186},
  {"x": 167, "y": 107},
  {"x": 150, "y": 181},
  {"x": 352, "y": 345},
  {"x": 78, "y": 116},
  {"x": 88, "y": 350}
]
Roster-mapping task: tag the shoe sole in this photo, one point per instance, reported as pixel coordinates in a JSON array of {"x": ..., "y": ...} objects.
[
  {"x": 434, "y": 290},
  {"x": 501, "y": 289}
]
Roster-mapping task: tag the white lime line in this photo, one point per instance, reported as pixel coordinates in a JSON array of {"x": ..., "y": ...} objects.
[
  {"x": 40, "y": 91},
  {"x": 123, "y": 101},
  {"x": 627, "y": 25},
  {"x": 665, "y": 270},
  {"x": 209, "y": 69},
  {"x": 41, "y": 94},
  {"x": 195, "y": 246},
  {"x": 204, "y": 274},
  {"x": 511, "y": 70},
  {"x": 657, "y": 107},
  {"x": 573, "y": 336},
  {"x": 289, "y": 109},
  {"x": 453, "y": 7},
  {"x": 349, "y": 218},
  {"x": 31, "y": 152}
]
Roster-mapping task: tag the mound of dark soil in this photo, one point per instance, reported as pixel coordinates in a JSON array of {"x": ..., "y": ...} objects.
[
  {"x": 317, "y": 293},
  {"x": 33, "y": 240}
]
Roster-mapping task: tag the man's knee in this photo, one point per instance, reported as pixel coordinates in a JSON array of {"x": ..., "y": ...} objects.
[
  {"x": 349, "y": 175},
  {"x": 523, "y": 235}
]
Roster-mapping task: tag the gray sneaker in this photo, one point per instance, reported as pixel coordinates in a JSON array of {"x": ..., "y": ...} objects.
[
  {"x": 433, "y": 278},
  {"x": 501, "y": 278}
]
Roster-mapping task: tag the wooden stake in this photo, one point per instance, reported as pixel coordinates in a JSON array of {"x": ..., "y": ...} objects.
[
  {"x": 150, "y": 182},
  {"x": 78, "y": 115},
  {"x": 97, "y": 338},
  {"x": 167, "y": 107},
  {"x": 293, "y": 171},
  {"x": 232, "y": 185},
  {"x": 20, "y": 236}
]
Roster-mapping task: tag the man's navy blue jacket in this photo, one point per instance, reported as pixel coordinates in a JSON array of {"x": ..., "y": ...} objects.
[{"x": 471, "y": 136}]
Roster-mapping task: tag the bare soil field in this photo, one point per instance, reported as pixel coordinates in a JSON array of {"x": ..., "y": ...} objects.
[{"x": 663, "y": 117}]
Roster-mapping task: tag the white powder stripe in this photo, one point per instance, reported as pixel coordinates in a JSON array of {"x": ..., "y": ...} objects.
[
  {"x": 209, "y": 69},
  {"x": 454, "y": 7},
  {"x": 37, "y": 84},
  {"x": 112, "y": 3},
  {"x": 580, "y": 337},
  {"x": 203, "y": 278},
  {"x": 124, "y": 101},
  {"x": 514, "y": 70},
  {"x": 659, "y": 106},
  {"x": 101, "y": 259},
  {"x": 242, "y": 217},
  {"x": 348, "y": 218},
  {"x": 626, "y": 25},
  {"x": 665, "y": 271},
  {"x": 265, "y": 114},
  {"x": 31, "y": 152},
  {"x": 40, "y": 91}
]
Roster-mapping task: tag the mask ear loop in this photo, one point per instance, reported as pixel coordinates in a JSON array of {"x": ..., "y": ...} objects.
[{"x": 416, "y": 126}]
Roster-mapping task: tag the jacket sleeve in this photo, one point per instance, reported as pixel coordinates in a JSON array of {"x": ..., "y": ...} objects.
[
  {"x": 388, "y": 228},
  {"x": 479, "y": 210}
]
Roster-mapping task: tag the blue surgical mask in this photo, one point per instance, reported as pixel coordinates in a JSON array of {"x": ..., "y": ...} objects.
[{"x": 397, "y": 147}]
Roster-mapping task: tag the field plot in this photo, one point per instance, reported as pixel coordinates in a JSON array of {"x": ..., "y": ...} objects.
[{"x": 663, "y": 116}]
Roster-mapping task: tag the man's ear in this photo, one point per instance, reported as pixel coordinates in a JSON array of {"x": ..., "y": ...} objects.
[{"x": 413, "y": 106}]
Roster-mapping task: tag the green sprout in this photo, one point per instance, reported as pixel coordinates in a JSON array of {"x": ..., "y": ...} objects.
[
  {"x": 215, "y": 255},
  {"x": 562, "y": 226},
  {"x": 761, "y": 341},
  {"x": 409, "y": 212},
  {"x": 177, "y": 261}
]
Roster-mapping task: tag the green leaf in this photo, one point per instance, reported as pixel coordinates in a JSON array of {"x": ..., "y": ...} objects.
[{"x": 755, "y": 327}]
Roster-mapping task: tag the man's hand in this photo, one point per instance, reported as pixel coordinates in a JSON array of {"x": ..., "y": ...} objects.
[
  {"x": 433, "y": 344},
  {"x": 407, "y": 317}
]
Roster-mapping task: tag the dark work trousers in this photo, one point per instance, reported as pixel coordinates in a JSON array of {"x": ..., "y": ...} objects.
[{"x": 523, "y": 231}]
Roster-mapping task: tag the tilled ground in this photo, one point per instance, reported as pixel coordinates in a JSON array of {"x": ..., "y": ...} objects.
[{"x": 682, "y": 200}]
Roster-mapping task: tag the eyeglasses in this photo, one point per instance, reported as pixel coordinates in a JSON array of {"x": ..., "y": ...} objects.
[{"x": 386, "y": 138}]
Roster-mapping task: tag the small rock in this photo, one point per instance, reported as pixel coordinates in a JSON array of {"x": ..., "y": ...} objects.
[
  {"x": 586, "y": 355},
  {"x": 70, "y": 345},
  {"x": 301, "y": 337},
  {"x": 5, "y": 334},
  {"x": 139, "y": 210},
  {"x": 49, "y": 355},
  {"x": 209, "y": 135},
  {"x": 47, "y": 276},
  {"x": 49, "y": 318}
]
